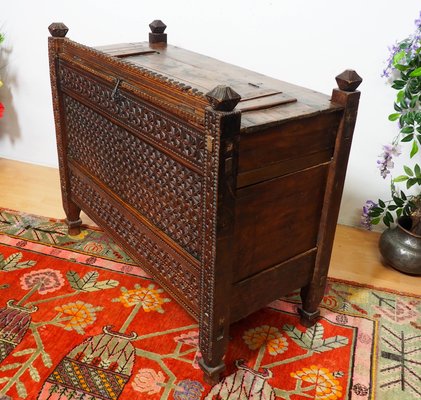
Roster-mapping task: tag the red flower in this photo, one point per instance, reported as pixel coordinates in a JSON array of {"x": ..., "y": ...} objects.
[{"x": 1, "y": 109}]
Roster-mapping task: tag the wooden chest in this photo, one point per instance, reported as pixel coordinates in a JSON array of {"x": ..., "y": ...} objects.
[{"x": 224, "y": 184}]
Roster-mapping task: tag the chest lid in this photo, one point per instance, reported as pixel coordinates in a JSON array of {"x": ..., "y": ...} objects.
[{"x": 264, "y": 101}]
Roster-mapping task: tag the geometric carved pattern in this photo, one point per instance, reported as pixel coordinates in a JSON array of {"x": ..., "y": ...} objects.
[
  {"x": 147, "y": 251},
  {"x": 160, "y": 188},
  {"x": 212, "y": 126},
  {"x": 168, "y": 133}
]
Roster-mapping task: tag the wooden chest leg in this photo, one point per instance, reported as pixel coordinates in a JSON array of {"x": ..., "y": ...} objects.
[
  {"x": 211, "y": 374},
  {"x": 214, "y": 336},
  {"x": 348, "y": 96},
  {"x": 73, "y": 220},
  {"x": 309, "y": 312},
  {"x": 223, "y": 135}
]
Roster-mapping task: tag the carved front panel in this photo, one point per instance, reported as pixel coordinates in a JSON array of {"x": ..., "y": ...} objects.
[
  {"x": 164, "y": 130},
  {"x": 151, "y": 252},
  {"x": 161, "y": 189}
]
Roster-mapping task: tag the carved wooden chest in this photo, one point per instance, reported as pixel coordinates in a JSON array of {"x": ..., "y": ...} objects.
[{"x": 222, "y": 183}]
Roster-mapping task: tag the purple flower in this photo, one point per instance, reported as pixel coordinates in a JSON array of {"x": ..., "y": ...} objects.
[
  {"x": 389, "y": 62},
  {"x": 418, "y": 21},
  {"x": 385, "y": 163},
  {"x": 365, "y": 215},
  {"x": 406, "y": 48}
]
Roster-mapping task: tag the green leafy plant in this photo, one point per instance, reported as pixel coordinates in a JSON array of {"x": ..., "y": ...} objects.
[{"x": 404, "y": 72}]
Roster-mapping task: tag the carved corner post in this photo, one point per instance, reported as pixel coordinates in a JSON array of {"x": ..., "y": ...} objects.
[
  {"x": 222, "y": 126},
  {"x": 348, "y": 96},
  {"x": 58, "y": 32}
]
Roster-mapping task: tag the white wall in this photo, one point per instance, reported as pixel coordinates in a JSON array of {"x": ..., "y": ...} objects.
[{"x": 305, "y": 42}]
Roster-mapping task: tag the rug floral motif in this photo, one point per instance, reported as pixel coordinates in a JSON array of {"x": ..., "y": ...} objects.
[{"x": 79, "y": 320}]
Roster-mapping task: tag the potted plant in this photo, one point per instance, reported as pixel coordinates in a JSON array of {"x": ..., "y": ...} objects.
[{"x": 401, "y": 245}]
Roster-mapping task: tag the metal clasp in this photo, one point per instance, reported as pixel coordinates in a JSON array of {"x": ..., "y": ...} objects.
[{"x": 114, "y": 94}]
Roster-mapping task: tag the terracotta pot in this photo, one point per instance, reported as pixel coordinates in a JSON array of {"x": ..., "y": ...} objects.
[{"x": 401, "y": 248}]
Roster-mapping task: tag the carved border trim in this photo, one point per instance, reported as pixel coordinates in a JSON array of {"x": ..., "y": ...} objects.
[
  {"x": 210, "y": 201},
  {"x": 153, "y": 77}
]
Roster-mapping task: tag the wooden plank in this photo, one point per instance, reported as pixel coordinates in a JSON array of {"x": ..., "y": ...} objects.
[
  {"x": 281, "y": 168},
  {"x": 259, "y": 290},
  {"x": 288, "y": 141},
  {"x": 277, "y": 219}
]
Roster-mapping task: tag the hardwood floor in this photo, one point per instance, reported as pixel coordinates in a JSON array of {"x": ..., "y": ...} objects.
[{"x": 35, "y": 189}]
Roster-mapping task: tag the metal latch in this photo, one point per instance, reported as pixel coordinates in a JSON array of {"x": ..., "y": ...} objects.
[{"x": 114, "y": 94}]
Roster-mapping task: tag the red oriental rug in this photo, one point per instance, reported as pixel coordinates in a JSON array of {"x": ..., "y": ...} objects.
[{"x": 79, "y": 321}]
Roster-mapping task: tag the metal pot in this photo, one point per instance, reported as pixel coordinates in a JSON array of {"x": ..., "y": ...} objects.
[{"x": 400, "y": 248}]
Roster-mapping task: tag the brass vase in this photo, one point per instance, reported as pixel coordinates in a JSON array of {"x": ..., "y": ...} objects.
[{"x": 401, "y": 248}]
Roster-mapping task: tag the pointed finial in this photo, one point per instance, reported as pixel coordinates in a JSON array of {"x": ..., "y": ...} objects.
[
  {"x": 349, "y": 80},
  {"x": 157, "y": 34},
  {"x": 223, "y": 98},
  {"x": 58, "y": 29}
]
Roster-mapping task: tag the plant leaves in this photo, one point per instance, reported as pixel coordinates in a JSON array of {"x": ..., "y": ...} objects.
[
  {"x": 386, "y": 222},
  {"x": 401, "y": 178},
  {"x": 416, "y": 72},
  {"x": 408, "y": 170},
  {"x": 407, "y": 138},
  {"x": 398, "y": 201},
  {"x": 400, "y": 96},
  {"x": 411, "y": 182},
  {"x": 398, "y": 57},
  {"x": 394, "y": 117},
  {"x": 414, "y": 149},
  {"x": 407, "y": 129}
]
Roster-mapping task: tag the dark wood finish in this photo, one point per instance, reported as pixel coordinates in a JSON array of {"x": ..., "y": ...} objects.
[
  {"x": 312, "y": 293},
  {"x": 157, "y": 34},
  {"x": 228, "y": 205}
]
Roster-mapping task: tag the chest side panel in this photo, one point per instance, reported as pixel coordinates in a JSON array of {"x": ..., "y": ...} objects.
[
  {"x": 132, "y": 163},
  {"x": 138, "y": 171},
  {"x": 280, "y": 191}
]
